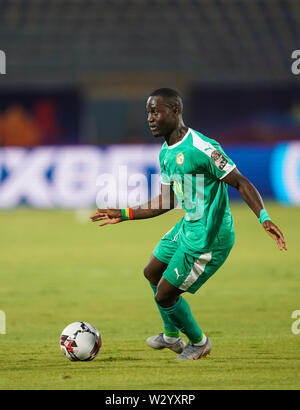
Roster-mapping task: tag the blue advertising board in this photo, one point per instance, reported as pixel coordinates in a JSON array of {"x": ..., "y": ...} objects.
[
  {"x": 285, "y": 173},
  {"x": 124, "y": 175}
]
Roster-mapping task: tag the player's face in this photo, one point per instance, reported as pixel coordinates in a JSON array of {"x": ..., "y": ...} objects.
[{"x": 162, "y": 119}]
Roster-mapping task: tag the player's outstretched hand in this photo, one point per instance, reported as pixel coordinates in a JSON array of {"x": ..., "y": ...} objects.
[
  {"x": 275, "y": 233},
  {"x": 109, "y": 216}
]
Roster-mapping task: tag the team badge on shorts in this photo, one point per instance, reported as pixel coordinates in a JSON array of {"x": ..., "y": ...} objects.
[
  {"x": 218, "y": 159},
  {"x": 180, "y": 158}
]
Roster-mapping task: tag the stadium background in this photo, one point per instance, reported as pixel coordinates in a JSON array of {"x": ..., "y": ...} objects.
[{"x": 78, "y": 74}]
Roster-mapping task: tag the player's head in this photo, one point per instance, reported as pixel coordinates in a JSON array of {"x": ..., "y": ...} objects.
[{"x": 164, "y": 107}]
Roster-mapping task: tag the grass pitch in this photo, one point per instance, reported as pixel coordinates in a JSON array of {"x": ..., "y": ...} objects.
[{"x": 55, "y": 269}]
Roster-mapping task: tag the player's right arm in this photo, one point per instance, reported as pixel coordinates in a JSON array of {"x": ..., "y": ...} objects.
[
  {"x": 154, "y": 207},
  {"x": 252, "y": 197}
]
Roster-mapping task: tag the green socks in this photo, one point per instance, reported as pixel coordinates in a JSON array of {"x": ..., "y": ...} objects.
[
  {"x": 169, "y": 328},
  {"x": 179, "y": 317}
]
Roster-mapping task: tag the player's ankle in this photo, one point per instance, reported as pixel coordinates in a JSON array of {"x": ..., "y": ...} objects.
[
  {"x": 202, "y": 341},
  {"x": 169, "y": 339}
]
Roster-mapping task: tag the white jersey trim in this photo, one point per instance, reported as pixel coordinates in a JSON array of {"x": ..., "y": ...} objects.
[
  {"x": 179, "y": 142},
  {"x": 231, "y": 168},
  {"x": 202, "y": 145},
  {"x": 207, "y": 148}
]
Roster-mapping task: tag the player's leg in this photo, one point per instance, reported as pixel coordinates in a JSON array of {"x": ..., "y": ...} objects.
[
  {"x": 170, "y": 337},
  {"x": 159, "y": 260},
  {"x": 174, "y": 309},
  {"x": 154, "y": 270},
  {"x": 169, "y": 298},
  {"x": 186, "y": 273},
  {"x": 158, "y": 263}
]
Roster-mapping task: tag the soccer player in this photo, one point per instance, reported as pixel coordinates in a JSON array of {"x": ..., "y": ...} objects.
[{"x": 198, "y": 171}]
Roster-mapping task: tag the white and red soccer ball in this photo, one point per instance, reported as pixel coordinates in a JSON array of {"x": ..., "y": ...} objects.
[{"x": 80, "y": 341}]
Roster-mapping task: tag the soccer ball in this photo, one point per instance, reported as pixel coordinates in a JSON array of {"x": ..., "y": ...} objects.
[{"x": 80, "y": 341}]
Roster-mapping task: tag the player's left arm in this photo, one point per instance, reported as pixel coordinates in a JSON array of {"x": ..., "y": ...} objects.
[{"x": 252, "y": 197}]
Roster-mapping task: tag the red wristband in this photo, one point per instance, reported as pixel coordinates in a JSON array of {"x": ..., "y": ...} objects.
[{"x": 130, "y": 213}]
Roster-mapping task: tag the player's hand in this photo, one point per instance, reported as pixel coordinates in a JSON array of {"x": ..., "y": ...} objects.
[
  {"x": 275, "y": 233},
  {"x": 109, "y": 216}
]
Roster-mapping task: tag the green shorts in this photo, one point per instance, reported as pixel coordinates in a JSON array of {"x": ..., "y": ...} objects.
[{"x": 184, "y": 271}]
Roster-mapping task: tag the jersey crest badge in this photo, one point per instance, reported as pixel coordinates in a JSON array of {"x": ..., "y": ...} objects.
[
  {"x": 180, "y": 158},
  {"x": 218, "y": 159}
]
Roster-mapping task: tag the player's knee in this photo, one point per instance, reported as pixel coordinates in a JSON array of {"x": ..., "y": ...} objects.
[
  {"x": 164, "y": 300},
  {"x": 147, "y": 273},
  {"x": 151, "y": 275}
]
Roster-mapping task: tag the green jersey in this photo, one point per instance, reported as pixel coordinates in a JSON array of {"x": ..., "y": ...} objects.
[{"x": 195, "y": 167}]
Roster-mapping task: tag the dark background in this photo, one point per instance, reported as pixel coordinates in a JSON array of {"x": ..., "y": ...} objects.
[{"x": 80, "y": 71}]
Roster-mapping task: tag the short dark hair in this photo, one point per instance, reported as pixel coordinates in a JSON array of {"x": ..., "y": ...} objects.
[{"x": 173, "y": 97}]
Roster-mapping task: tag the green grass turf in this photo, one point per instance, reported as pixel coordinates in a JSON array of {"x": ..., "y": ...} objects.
[{"x": 56, "y": 269}]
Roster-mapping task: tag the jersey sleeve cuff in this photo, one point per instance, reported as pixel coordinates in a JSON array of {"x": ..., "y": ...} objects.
[{"x": 231, "y": 168}]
